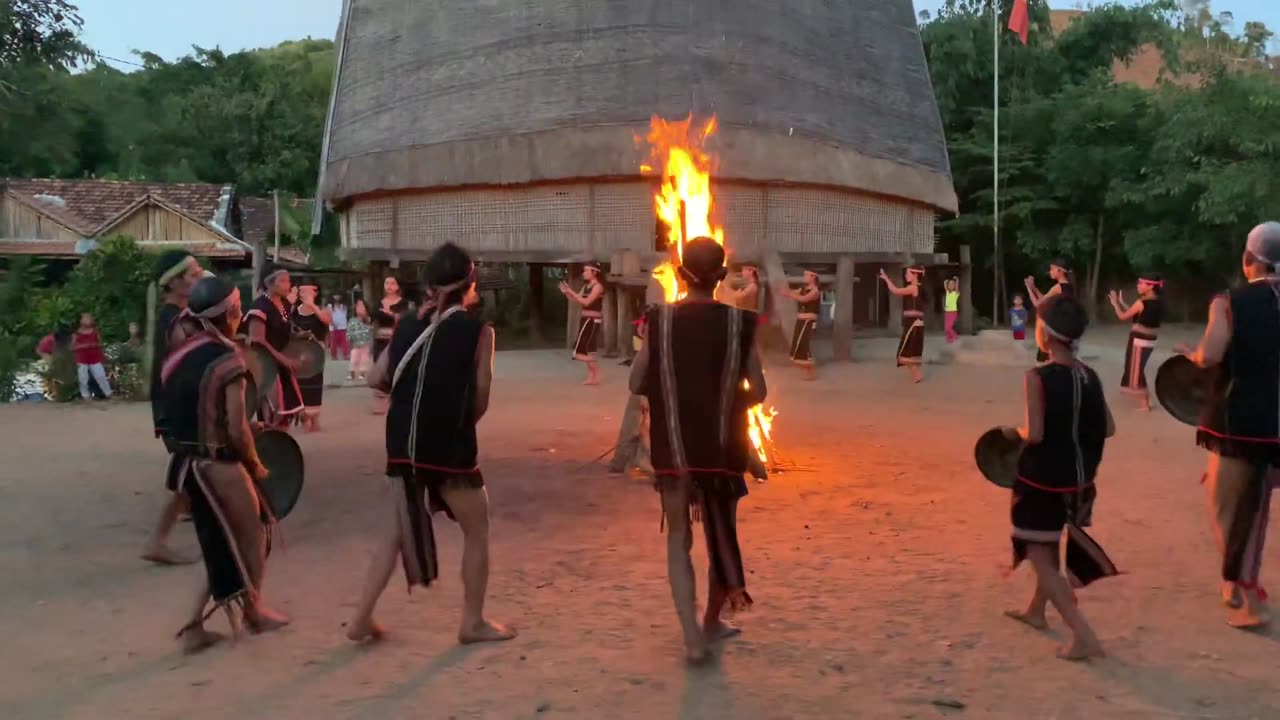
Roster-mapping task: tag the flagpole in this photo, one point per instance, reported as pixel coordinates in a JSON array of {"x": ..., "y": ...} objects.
[{"x": 995, "y": 165}]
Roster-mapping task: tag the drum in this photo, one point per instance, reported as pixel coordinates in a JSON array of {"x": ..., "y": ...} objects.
[
  {"x": 1183, "y": 388},
  {"x": 280, "y": 453},
  {"x": 262, "y": 368},
  {"x": 308, "y": 352},
  {"x": 997, "y": 457}
]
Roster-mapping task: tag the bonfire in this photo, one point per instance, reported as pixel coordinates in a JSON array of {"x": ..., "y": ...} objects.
[{"x": 685, "y": 204}]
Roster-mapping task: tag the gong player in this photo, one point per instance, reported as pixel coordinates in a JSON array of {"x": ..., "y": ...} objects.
[
  {"x": 313, "y": 321},
  {"x": 176, "y": 273},
  {"x": 1240, "y": 426},
  {"x": 216, "y": 465},
  {"x": 271, "y": 328}
]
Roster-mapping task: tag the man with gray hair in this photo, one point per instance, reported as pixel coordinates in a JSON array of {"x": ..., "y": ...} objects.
[{"x": 1240, "y": 426}]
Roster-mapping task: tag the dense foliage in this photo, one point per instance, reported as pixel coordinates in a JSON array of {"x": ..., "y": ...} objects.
[{"x": 1117, "y": 178}]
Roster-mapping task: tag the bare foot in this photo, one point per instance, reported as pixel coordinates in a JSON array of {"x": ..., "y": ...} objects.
[
  {"x": 486, "y": 632},
  {"x": 1036, "y": 621},
  {"x": 1080, "y": 650},
  {"x": 589, "y": 382},
  {"x": 197, "y": 639},
  {"x": 720, "y": 631},
  {"x": 366, "y": 631},
  {"x": 163, "y": 555},
  {"x": 265, "y": 620},
  {"x": 698, "y": 655},
  {"x": 1246, "y": 618}
]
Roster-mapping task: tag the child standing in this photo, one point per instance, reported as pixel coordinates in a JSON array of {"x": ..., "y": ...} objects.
[
  {"x": 358, "y": 337},
  {"x": 87, "y": 347},
  {"x": 952, "y": 307},
  {"x": 1018, "y": 319},
  {"x": 1067, "y": 424}
]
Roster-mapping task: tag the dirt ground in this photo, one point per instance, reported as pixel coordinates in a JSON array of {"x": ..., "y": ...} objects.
[{"x": 877, "y": 573}]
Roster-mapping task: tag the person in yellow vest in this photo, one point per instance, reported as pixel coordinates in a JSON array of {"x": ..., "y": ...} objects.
[{"x": 952, "y": 307}]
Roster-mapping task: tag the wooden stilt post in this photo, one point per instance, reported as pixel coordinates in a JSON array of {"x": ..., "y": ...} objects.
[
  {"x": 894, "y": 271},
  {"x": 575, "y": 310},
  {"x": 612, "y": 336},
  {"x": 966, "y": 291},
  {"x": 843, "y": 314},
  {"x": 535, "y": 302}
]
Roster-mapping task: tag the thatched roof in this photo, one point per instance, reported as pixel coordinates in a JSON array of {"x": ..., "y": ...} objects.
[{"x": 457, "y": 92}]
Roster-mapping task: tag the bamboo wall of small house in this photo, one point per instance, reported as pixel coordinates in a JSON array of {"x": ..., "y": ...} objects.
[
  {"x": 156, "y": 224},
  {"x": 19, "y": 222}
]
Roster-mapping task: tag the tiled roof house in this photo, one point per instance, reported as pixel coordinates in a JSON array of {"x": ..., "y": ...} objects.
[{"x": 66, "y": 218}]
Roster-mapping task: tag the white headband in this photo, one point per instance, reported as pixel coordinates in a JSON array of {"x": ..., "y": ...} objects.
[
  {"x": 221, "y": 308},
  {"x": 176, "y": 270},
  {"x": 266, "y": 279},
  {"x": 1073, "y": 344}
]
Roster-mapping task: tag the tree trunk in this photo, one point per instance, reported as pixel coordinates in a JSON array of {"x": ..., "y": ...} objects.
[{"x": 1095, "y": 273}]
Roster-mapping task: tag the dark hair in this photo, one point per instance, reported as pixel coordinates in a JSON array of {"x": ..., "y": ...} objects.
[
  {"x": 448, "y": 265},
  {"x": 1156, "y": 280},
  {"x": 1066, "y": 315},
  {"x": 1065, "y": 264},
  {"x": 703, "y": 267}
]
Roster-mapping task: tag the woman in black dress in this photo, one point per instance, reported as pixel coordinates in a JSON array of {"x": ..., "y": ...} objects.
[
  {"x": 311, "y": 320},
  {"x": 271, "y": 328},
  {"x": 384, "y": 319},
  {"x": 808, "y": 300},
  {"x": 911, "y": 346},
  {"x": 1064, "y": 284},
  {"x": 591, "y": 326},
  {"x": 1147, "y": 314}
]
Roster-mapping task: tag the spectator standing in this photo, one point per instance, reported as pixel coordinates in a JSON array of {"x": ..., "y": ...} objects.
[
  {"x": 87, "y": 346},
  {"x": 339, "y": 344}
]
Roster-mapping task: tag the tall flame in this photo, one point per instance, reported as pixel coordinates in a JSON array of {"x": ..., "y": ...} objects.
[
  {"x": 684, "y": 202},
  {"x": 685, "y": 205},
  {"x": 760, "y": 427}
]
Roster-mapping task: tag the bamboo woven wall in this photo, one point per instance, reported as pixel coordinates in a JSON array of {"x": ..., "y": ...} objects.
[{"x": 586, "y": 219}]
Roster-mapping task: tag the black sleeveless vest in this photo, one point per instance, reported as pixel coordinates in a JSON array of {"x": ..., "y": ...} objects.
[
  {"x": 431, "y": 421},
  {"x": 1242, "y": 417},
  {"x": 1075, "y": 429}
]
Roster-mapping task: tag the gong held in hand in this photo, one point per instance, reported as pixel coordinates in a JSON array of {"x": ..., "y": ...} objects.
[
  {"x": 1183, "y": 388},
  {"x": 282, "y": 457},
  {"x": 308, "y": 353},
  {"x": 997, "y": 457}
]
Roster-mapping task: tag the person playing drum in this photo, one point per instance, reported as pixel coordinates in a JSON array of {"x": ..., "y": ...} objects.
[
  {"x": 217, "y": 466},
  {"x": 312, "y": 322},
  {"x": 1240, "y": 425},
  {"x": 270, "y": 327}
]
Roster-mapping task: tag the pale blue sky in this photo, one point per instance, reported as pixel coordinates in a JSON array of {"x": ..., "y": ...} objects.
[{"x": 170, "y": 27}]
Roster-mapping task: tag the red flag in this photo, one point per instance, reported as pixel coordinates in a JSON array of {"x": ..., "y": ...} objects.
[{"x": 1020, "y": 21}]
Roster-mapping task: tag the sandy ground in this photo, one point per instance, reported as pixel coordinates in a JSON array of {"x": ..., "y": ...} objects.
[{"x": 877, "y": 575}]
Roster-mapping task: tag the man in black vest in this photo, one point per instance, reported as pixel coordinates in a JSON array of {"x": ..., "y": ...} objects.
[
  {"x": 1240, "y": 426},
  {"x": 696, "y": 356}
]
